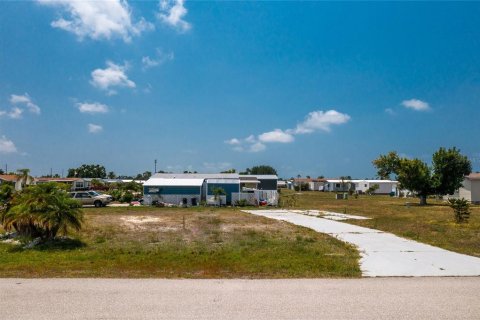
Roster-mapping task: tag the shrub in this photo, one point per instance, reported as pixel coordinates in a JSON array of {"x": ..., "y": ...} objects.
[
  {"x": 241, "y": 203},
  {"x": 461, "y": 209},
  {"x": 42, "y": 211},
  {"x": 127, "y": 197}
]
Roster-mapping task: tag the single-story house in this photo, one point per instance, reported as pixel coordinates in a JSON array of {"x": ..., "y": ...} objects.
[
  {"x": 470, "y": 189},
  {"x": 361, "y": 186},
  {"x": 384, "y": 186},
  {"x": 313, "y": 184},
  {"x": 16, "y": 180},
  {"x": 192, "y": 188},
  {"x": 75, "y": 183}
]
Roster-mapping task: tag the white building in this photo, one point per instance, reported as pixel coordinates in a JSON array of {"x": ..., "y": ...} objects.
[
  {"x": 470, "y": 189},
  {"x": 361, "y": 186}
]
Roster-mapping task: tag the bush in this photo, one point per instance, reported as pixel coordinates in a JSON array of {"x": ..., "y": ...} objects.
[
  {"x": 127, "y": 197},
  {"x": 241, "y": 203},
  {"x": 461, "y": 209}
]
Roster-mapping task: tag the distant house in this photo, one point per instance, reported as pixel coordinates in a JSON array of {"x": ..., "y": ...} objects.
[
  {"x": 75, "y": 183},
  {"x": 470, "y": 189},
  {"x": 384, "y": 186},
  {"x": 313, "y": 184},
  {"x": 192, "y": 188},
  {"x": 361, "y": 186}
]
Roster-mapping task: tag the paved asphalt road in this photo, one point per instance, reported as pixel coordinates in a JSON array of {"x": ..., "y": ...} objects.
[{"x": 375, "y": 298}]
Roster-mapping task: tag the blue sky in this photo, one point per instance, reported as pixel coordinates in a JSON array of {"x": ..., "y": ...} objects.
[{"x": 310, "y": 88}]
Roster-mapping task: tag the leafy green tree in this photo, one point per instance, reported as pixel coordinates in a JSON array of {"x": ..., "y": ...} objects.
[
  {"x": 111, "y": 175},
  {"x": 387, "y": 164},
  {"x": 445, "y": 176},
  {"x": 229, "y": 171},
  {"x": 415, "y": 175},
  {"x": 24, "y": 177},
  {"x": 143, "y": 176},
  {"x": 262, "y": 169},
  {"x": 43, "y": 210},
  {"x": 449, "y": 168},
  {"x": 88, "y": 171}
]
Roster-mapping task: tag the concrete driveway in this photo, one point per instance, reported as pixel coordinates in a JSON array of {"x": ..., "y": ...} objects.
[{"x": 384, "y": 254}]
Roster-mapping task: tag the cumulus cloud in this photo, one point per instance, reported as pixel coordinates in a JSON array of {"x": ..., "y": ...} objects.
[
  {"x": 14, "y": 113},
  {"x": 111, "y": 77},
  {"x": 92, "y": 108},
  {"x": 415, "y": 104},
  {"x": 97, "y": 19},
  {"x": 25, "y": 100},
  {"x": 94, "y": 128},
  {"x": 276, "y": 135},
  {"x": 319, "y": 120},
  {"x": 7, "y": 145},
  {"x": 314, "y": 121},
  {"x": 159, "y": 59},
  {"x": 172, "y": 12}
]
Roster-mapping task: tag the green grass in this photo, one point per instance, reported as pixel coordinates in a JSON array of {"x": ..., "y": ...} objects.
[
  {"x": 433, "y": 224},
  {"x": 183, "y": 243}
]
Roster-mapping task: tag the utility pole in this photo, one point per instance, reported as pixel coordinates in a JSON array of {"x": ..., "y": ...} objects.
[
  {"x": 51, "y": 173},
  {"x": 155, "y": 171}
]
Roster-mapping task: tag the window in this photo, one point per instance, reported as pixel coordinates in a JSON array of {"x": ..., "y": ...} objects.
[{"x": 337, "y": 185}]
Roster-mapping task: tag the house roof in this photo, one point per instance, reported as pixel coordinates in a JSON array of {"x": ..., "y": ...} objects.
[
  {"x": 308, "y": 180},
  {"x": 223, "y": 181},
  {"x": 58, "y": 179},
  {"x": 195, "y": 176},
  {"x": 9, "y": 177},
  {"x": 260, "y": 176},
  {"x": 169, "y": 182},
  {"x": 473, "y": 176}
]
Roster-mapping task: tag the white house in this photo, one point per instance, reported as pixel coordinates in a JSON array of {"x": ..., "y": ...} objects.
[
  {"x": 361, "y": 186},
  {"x": 470, "y": 189}
]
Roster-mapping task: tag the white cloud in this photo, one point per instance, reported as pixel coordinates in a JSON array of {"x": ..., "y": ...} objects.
[
  {"x": 233, "y": 141},
  {"x": 7, "y": 146},
  {"x": 257, "y": 147},
  {"x": 98, "y": 19},
  {"x": 314, "y": 121},
  {"x": 112, "y": 76},
  {"x": 94, "y": 128},
  {"x": 415, "y": 104},
  {"x": 15, "y": 113},
  {"x": 319, "y": 120},
  {"x": 159, "y": 59},
  {"x": 171, "y": 13},
  {"x": 92, "y": 108},
  {"x": 26, "y": 101},
  {"x": 276, "y": 135},
  {"x": 390, "y": 111}
]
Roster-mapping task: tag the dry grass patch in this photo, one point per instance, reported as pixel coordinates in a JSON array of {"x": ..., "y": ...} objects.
[{"x": 185, "y": 243}]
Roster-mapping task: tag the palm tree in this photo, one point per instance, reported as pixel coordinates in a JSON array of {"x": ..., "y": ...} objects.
[
  {"x": 218, "y": 192},
  {"x": 43, "y": 211}
]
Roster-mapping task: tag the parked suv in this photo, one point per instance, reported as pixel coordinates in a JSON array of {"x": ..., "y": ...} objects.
[{"x": 91, "y": 198}]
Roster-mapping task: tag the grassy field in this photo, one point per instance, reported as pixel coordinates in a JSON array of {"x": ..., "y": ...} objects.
[
  {"x": 183, "y": 243},
  {"x": 433, "y": 224}
]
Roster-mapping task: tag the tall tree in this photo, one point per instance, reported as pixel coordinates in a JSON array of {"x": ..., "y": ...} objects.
[
  {"x": 88, "y": 171},
  {"x": 416, "y": 176},
  {"x": 262, "y": 169},
  {"x": 449, "y": 168},
  {"x": 387, "y": 164},
  {"x": 445, "y": 176}
]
